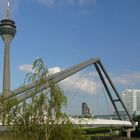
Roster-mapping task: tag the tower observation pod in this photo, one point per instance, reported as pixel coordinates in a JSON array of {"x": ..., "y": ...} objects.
[{"x": 7, "y": 32}]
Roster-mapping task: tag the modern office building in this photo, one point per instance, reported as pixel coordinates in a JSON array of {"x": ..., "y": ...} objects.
[
  {"x": 131, "y": 98},
  {"x": 85, "y": 109}
]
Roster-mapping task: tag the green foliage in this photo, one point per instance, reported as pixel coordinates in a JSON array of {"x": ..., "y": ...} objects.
[
  {"x": 40, "y": 117},
  {"x": 9, "y": 110},
  {"x": 80, "y": 134},
  {"x": 99, "y": 130},
  {"x": 137, "y": 119},
  {"x": 136, "y": 133}
]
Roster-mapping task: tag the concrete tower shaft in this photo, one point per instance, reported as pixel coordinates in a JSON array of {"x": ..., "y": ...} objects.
[{"x": 6, "y": 70}]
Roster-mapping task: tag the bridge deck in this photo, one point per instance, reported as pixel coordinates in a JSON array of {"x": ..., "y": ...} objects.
[{"x": 91, "y": 122}]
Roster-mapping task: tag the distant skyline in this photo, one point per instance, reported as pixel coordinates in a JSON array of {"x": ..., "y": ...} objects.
[{"x": 67, "y": 32}]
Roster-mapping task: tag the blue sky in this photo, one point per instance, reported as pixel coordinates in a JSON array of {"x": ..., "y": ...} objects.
[{"x": 67, "y": 32}]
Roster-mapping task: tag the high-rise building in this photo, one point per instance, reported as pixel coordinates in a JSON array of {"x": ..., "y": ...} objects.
[
  {"x": 131, "y": 98},
  {"x": 85, "y": 109}
]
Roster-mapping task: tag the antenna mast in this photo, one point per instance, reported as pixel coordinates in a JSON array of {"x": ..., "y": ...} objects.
[{"x": 8, "y": 10}]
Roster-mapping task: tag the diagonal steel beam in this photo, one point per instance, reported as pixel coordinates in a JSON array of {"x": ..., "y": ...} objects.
[
  {"x": 28, "y": 90},
  {"x": 107, "y": 89},
  {"x": 115, "y": 90}
]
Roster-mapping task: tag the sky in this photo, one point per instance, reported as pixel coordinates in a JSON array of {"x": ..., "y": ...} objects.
[{"x": 67, "y": 32}]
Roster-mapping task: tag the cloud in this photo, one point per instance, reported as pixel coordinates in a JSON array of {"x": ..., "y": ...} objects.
[
  {"x": 93, "y": 85},
  {"x": 26, "y": 68},
  {"x": 54, "y": 70},
  {"x": 77, "y": 81},
  {"x": 129, "y": 79},
  {"x": 80, "y": 83},
  {"x": 66, "y": 2},
  {"x": 90, "y": 84}
]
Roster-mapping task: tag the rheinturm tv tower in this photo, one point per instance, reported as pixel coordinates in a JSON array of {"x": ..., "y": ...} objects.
[{"x": 7, "y": 31}]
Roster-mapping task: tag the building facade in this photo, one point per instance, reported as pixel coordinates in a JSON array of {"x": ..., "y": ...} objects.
[
  {"x": 85, "y": 109},
  {"x": 131, "y": 98}
]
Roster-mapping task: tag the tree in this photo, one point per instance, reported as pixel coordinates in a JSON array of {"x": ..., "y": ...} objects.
[
  {"x": 40, "y": 117},
  {"x": 137, "y": 119}
]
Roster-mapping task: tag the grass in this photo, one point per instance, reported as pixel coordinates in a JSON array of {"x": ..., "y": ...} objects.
[{"x": 10, "y": 136}]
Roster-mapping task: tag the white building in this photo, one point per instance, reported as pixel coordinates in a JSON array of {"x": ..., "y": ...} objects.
[{"x": 131, "y": 98}]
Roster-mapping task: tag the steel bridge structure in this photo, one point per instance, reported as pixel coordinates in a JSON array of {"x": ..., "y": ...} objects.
[{"x": 27, "y": 91}]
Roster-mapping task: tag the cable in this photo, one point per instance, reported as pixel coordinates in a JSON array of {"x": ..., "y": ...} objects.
[{"x": 82, "y": 76}]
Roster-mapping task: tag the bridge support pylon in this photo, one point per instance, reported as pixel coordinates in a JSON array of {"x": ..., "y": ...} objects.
[{"x": 128, "y": 131}]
